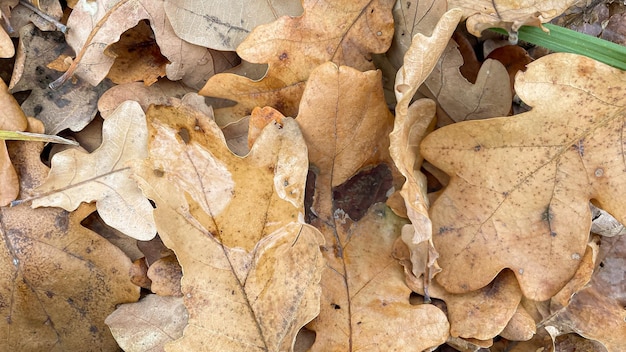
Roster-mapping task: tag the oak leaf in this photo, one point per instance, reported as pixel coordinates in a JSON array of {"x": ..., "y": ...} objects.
[
  {"x": 346, "y": 129},
  {"x": 510, "y": 15},
  {"x": 365, "y": 302},
  {"x": 149, "y": 324},
  {"x": 58, "y": 280},
  {"x": 104, "y": 176},
  {"x": 520, "y": 187},
  {"x": 224, "y": 24},
  {"x": 236, "y": 227},
  {"x": 71, "y": 106},
  {"x": 461, "y": 100},
  {"x": 338, "y": 31},
  {"x": 96, "y": 25}
]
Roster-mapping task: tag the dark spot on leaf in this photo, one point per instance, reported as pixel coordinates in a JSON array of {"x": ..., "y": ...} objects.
[
  {"x": 49, "y": 294},
  {"x": 158, "y": 172},
  {"x": 602, "y": 264},
  {"x": 37, "y": 109},
  {"x": 335, "y": 306},
  {"x": 283, "y": 56},
  {"x": 552, "y": 233},
  {"x": 445, "y": 229},
  {"x": 62, "y": 221},
  {"x": 93, "y": 329},
  {"x": 477, "y": 148},
  {"x": 359, "y": 193}
]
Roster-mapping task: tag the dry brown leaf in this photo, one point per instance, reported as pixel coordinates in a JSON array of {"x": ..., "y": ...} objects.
[
  {"x": 146, "y": 326},
  {"x": 461, "y": 100},
  {"x": 224, "y": 24},
  {"x": 72, "y": 106},
  {"x": 240, "y": 220},
  {"x": 7, "y": 49},
  {"x": 59, "y": 280},
  {"x": 342, "y": 32},
  {"x": 345, "y": 122},
  {"x": 510, "y": 15},
  {"x": 520, "y": 187},
  {"x": 12, "y": 118},
  {"x": 22, "y": 16},
  {"x": 410, "y": 18},
  {"x": 99, "y": 24},
  {"x": 104, "y": 176},
  {"x": 410, "y": 126},
  {"x": 365, "y": 301}
]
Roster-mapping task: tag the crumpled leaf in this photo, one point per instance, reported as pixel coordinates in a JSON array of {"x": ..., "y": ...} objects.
[
  {"x": 345, "y": 122},
  {"x": 410, "y": 126},
  {"x": 58, "y": 280},
  {"x": 148, "y": 324},
  {"x": 71, "y": 106},
  {"x": 224, "y": 24},
  {"x": 104, "y": 176},
  {"x": 12, "y": 118},
  {"x": 461, "y": 100},
  {"x": 338, "y": 31},
  {"x": 239, "y": 219},
  {"x": 510, "y": 15},
  {"x": 520, "y": 187},
  {"x": 99, "y": 24},
  {"x": 365, "y": 302}
]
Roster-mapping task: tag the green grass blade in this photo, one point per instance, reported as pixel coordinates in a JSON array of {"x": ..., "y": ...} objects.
[
  {"x": 34, "y": 137},
  {"x": 566, "y": 40}
]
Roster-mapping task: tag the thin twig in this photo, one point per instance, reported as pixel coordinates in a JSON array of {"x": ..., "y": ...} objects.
[{"x": 60, "y": 26}]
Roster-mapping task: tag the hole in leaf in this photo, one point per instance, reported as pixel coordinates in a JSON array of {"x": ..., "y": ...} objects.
[{"x": 184, "y": 135}]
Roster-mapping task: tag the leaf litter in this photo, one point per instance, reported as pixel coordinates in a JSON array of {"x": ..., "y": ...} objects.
[{"x": 281, "y": 246}]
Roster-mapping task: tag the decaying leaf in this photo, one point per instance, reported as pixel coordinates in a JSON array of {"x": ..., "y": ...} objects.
[
  {"x": 148, "y": 324},
  {"x": 510, "y": 15},
  {"x": 345, "y": 122},
  {"x": 365, "y": 302},
  {"x": 342, "y": 32},
  {"x": 461, "y": 100},
  {"x": 12, "y": 118},
  {"x": 58, "y": 280},
  {"x": 224, "y": 24},
  {"x": 71, "y": 106},
  {"x": 239, "y": 219},
  {"x": 520, "y": 187},
  {"x": 104, "y": 176}
]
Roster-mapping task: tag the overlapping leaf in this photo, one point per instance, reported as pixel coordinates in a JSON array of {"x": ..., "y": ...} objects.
[
  {"x": 104, "y": 176},
  {"x": 12, "y": 118},
  {"x": 531, "y": 213},
  {"x": 58, "y": 280},
  {"x": 235, "y": 225},
  {"x": 338, "y": 31}
]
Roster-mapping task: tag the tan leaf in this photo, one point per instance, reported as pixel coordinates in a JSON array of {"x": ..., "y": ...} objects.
[
  {"x": 410, "y": 126},
  {"x": 165, "y": 276},
  {"x": 239, "y": 220},
  {"x": 104, "y": 176},
  {"x": 342, "y": 32},
  {"x": 7, "y": 49},
  {"x": 520, "y": 187},
  {"x": 510, "y": 15},
  {"x": 345, "y": 128},
  {"x": 461, "y": 100},
  {"x": 365, "y": 302},
  {"x": 58, "y": 280},
  {"x": 224, "y": 24},
  {"x": 148, "y": 324},
  {"x": 12, "y": 118},
  {"x": 410, "y": 18},
  {"x": 98, "y": 24}
]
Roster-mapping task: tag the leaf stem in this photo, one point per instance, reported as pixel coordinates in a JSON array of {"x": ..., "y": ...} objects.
[{"x": 561, "y": 39}]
